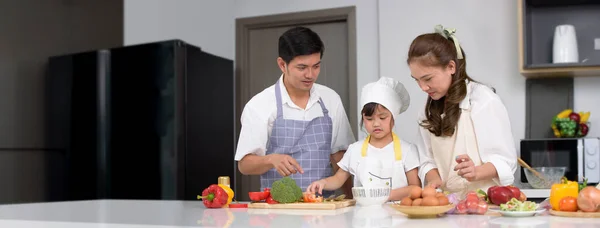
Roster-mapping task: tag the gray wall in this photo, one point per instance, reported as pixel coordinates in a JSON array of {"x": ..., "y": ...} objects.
[
  {"x": 33, "y": 30},
  {"x": 546, "y": 97}
]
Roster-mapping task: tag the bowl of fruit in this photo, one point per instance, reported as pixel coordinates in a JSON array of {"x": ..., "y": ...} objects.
[{"x": 569, "y": 124}]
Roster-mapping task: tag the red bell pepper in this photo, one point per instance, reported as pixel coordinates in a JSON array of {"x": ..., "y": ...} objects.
[{"x": 214, "y": 196}]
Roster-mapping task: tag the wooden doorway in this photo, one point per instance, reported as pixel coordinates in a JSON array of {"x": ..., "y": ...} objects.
[{"x": 256, "y": 66}]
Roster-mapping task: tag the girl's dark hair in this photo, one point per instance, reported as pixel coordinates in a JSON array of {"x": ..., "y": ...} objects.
[
  {"x": 369, "y": 109},
  {"x": 434, "y": 50}
]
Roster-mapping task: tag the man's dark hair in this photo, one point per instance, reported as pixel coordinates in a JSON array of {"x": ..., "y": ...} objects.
[{"x": 299, "y": 41}]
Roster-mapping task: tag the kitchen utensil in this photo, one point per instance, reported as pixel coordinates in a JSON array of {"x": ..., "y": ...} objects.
[
  {"x": 565, "y": 45},
  {"x": 329, "y": 205},
  {"x": 371, "y": 196},
  {"x": 551, "y": 175},
  {"x": 525, "y": 165}
]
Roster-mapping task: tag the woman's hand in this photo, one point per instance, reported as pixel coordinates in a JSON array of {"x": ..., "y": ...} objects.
[
  {"x": 465, "y": 167},
  {"x": 317, "y": 186}
]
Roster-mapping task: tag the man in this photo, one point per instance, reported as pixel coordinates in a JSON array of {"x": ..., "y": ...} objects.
[{"x": 296, "y": 127}]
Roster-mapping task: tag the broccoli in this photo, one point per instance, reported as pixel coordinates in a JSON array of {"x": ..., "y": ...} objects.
[{"x": 285, "y": 190}]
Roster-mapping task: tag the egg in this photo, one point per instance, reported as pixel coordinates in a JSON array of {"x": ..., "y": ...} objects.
[
  {"x": 428, "y": 191},
  {"x": 439, "y": 194},
  {"x": 415, "y": 193},
  {"x": 443, "y": 200},
  {"x": 417, "y": 202},
  {"x": 406, "y": 201},
  {"x": 430, "y": 201}
]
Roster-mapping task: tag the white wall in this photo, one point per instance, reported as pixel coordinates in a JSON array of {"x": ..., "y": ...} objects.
[
  {"x": 385, "y": 29},
  {"x": 367, "y": 37},
  {"x": 488, "y": 36},
  {"x": 586, "y": 100},
  {"x": 208, "y": 24}
]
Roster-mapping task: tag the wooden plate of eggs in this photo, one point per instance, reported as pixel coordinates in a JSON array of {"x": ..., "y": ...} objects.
[{"x": 424, "y": 203}]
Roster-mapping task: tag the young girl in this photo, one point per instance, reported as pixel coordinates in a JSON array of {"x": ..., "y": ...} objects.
[{"x": 382, "y": 159}]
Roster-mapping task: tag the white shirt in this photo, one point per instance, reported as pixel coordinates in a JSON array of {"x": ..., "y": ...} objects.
[
  {"x": 260, "y": 113},
  {"x": 353, "y": 156},
  {"x": 492, "y": 130}
]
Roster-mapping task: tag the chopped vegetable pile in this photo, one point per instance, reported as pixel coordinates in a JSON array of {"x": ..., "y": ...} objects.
[{"x": 516, "y": 205}]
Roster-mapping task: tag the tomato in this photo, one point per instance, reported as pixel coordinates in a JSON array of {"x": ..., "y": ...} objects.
[
  {"x": 270, "y": 200},
  {"x": 461, "y": 207},
  {"x": 472, "y": 205},
  {"x": 472, "y": 198},
  {"x": 312, "y": 198},
  {"x": 482, "y": 208},
  {"x": 258, "y": 196},
  {"x": 568, "y": 203}
]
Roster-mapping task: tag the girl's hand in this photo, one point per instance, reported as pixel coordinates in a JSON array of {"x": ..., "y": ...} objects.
[
  {"x": 317, "y": 186},
  {"x": 465, "y": 167},
  {"x": 437, "y": 183}
]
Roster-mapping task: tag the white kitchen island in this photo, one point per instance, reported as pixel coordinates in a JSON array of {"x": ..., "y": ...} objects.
[{"x": 158, "y": 214}]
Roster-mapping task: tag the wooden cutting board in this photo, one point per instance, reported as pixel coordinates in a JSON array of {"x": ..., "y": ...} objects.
[
  {"x": 578, "y": 214},
  {"x": 311, "y": 206}
]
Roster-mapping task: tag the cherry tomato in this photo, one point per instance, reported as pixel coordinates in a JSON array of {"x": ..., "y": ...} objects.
[
  {"x": 312, "y": 198},
  {"x": 472, "y": 198},
  {"x": 258, "y": 196},
  {"x": 482, "y": 207},
  {"x": 568, "y": 203},
  {"x": 270, "y": 200},
  {"x": 472, "y": 201},
  {"x": 461, "y": 207}
]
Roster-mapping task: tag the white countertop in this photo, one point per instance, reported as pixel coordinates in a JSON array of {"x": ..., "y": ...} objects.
[{"x": 158, "y": 214}]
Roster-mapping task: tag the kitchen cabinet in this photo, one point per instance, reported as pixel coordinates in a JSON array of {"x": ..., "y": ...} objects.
[{"x": 537, "y": 20}]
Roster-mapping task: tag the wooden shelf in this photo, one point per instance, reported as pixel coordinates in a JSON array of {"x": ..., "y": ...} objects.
[{"x": 537, "y": 20}]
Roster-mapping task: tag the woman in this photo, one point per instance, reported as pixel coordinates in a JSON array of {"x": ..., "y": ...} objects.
[{"x": 466, "y": 139}]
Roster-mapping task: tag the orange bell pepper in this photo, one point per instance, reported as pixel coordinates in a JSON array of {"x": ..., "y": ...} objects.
[
  {"x": 229, "y": 193},
  {"x": 561, "y": 190}
]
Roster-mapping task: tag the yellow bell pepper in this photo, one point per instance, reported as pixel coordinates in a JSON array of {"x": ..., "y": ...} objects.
[
  {"x": 229, "y": 193},
  {"x": 561, "y": 190}
]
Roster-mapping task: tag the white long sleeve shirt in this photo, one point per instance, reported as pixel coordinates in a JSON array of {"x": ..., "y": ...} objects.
[{"x": 492, "y": 130}]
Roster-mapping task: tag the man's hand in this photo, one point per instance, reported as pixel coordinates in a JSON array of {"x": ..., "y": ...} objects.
[{"x": 284, "y": 164}]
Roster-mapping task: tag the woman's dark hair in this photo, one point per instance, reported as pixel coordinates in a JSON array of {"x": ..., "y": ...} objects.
[
  {"x": 299, "y": 41},
  {"x": 434, "y": 50}
]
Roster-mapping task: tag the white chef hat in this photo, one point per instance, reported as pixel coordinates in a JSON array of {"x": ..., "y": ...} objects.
[{"x": 387, "y": 92}]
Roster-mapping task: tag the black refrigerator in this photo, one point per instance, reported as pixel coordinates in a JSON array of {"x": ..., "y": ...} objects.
[{"x": 148, "y": 121}]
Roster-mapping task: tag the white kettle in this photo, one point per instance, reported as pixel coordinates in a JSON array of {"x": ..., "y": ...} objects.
[{"x": 565, "y": 45}]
